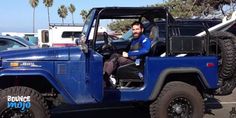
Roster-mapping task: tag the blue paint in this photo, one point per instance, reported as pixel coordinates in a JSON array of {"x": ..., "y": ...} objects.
[{"x": 155, "y": 66}]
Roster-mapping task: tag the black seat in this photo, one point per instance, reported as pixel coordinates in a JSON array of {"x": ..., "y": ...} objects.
[
  {"x": 132, "y": 73},
  {"x": 129, "y": 73},
  {"x": 157, "y": 48}
]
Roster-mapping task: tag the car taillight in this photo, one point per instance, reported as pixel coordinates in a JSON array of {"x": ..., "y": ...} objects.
[{"x": 210, "y": 65}]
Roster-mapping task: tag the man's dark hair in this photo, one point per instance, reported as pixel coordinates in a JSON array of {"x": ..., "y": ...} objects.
[{"x": 137, "y": 23}]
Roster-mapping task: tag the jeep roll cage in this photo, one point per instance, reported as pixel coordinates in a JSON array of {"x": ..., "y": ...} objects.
[
  {"x": 149, "y": 13},
  {"x": 173, "y": 43}
]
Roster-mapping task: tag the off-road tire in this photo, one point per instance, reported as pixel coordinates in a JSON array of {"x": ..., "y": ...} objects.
[
  {"x": 234, "y": 41},
  {"x": 227, "y": 53},
  {"x": 38, "y": 109},
  {"x": 227, "y": 86},
  {"x": 222, "y": 35},
  {"x": 174, "y": 91}
]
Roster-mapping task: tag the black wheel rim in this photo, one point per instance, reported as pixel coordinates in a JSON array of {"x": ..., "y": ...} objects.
[
  {"x": 180, "y": 107},
  {"x": 16, "y": 113}
]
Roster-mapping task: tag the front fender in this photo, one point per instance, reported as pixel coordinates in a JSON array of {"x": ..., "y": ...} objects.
[{"x": 39, "y": 72}]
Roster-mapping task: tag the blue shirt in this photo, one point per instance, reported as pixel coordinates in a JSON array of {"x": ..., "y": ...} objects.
[{"x": 145, "y": 45}]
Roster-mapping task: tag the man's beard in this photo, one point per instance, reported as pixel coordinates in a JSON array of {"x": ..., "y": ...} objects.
[{"x": 136, "y": 35}]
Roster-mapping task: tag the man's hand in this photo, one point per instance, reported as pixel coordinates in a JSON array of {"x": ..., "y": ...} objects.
[{"x": 125, "y": 54}]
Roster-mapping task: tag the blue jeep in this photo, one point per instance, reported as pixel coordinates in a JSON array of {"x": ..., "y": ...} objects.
[{"x": 171, "y": 86}]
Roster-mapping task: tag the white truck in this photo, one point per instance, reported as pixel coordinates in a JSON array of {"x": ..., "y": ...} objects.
[{"x": 58, "y": 35}]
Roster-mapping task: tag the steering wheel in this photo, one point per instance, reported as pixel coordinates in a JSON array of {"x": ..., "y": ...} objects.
[
  {"x": 105, "y": 36},
  {"x": 107, "y": 48}
]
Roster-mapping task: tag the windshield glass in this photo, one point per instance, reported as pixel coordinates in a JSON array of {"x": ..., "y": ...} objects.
[
  {"x": 87, "y": 23},
  {"x": 22, "y": 40},
  {"x": 128, "y": 35}
]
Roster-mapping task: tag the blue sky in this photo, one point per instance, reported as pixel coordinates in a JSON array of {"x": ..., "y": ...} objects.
[{"x": 16, "y": 15}]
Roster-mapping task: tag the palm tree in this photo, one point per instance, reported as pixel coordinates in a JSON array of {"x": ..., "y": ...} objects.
[
  {"x": 84, "y": 14},
  {"x": 72, "y": 10},
  {"x": 48, "y": 3},
  {"x": 34, "y": 4},
  {"x": 62, "y": 12}
]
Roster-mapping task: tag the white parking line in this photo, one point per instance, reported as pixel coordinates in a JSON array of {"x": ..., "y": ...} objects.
[{"x": 210, "y": 103}]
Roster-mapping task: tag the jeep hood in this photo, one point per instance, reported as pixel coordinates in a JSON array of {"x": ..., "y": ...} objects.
[{"x": 36, "y": 54}]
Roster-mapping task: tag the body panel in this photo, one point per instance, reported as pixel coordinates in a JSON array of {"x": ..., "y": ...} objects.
[{"x": 155, "y": 66}]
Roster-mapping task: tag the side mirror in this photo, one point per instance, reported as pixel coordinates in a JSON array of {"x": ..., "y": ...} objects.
[
  {"x": 77, "y": 42},
  {"x": 81, "y": 43}
]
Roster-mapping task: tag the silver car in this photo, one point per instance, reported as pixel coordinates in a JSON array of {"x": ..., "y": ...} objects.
[{"x": 14, "y": 43}]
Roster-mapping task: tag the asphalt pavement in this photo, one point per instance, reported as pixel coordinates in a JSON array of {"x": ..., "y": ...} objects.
[
  {"x": 219, "y": 107},
  {"x": 222, "y": 106}
]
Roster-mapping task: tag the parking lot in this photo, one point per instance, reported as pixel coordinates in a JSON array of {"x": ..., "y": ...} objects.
[{"x": 220, "y": 107}]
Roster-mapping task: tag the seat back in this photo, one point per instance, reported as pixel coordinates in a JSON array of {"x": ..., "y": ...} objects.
[
  {"x": 157, "y": 48},
  {"x": 154, "y": 33}
]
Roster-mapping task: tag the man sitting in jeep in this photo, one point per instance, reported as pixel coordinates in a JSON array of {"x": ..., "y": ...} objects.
[{"x": 140, "y": 45}]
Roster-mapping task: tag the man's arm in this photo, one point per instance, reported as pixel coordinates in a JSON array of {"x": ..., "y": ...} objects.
[{"x": 146, "y": 45}]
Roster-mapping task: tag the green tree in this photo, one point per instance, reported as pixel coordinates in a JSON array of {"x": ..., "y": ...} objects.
[
  {"x": 48, "y": 4},
  {"x": 34, "y": 4},
  {"x": 217, "y": 4},
  {"x": 120, "y": 26},
  {"x": 72, "y": 10},
  {"x": 62, "y": 12},
  {"x": 199, "y": 8},
  {"x": 178, "y": 8},
  {"x": 183, "y": 9},
  {"x": 84, "y": 14}
]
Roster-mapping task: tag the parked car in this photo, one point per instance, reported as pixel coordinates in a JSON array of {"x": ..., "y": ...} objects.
[{"x": 14, "y": 42}]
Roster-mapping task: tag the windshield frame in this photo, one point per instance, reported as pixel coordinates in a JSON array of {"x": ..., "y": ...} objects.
[{"x": 88, "y": 24}]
